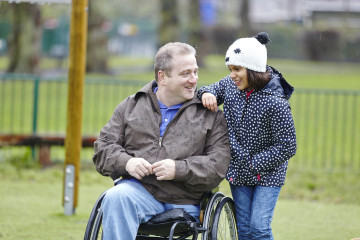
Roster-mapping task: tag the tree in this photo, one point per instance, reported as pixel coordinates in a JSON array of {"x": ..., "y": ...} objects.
[
  {"x": 169, "y": 25},
  {"x": 24, "y": 40},
  {"x": 97, "y": 54},
  {"x": 199, "y": 36},
  {"x": 245, "y": 29}
]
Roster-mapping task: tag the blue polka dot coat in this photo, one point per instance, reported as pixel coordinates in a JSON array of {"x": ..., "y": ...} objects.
[{"x": 261, "y": 130}]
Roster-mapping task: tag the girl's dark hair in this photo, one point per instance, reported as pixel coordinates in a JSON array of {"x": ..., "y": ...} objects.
[{"x": 257, "y": 80}]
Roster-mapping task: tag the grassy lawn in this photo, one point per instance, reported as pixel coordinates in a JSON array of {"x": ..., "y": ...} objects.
[
  {"x": 326, "y": 123},
  {"x": 301, "y": 74},
  {"x": 31, "y": 206},
  {"x": 314, "y": 204},
  {"x": 294, "y": 219}
]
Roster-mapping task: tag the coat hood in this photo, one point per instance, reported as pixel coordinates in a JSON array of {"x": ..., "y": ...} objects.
[{"x": 278, "y": 85}]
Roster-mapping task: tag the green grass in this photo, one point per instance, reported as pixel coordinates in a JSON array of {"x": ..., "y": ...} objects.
[
  {"x": 315, "y": 221},
  {"x": 301, "y": 74},
  {"x": 326, "y": 124},
  {"x": 31, "y": 205},
  {"x": 320, "y": 197}
]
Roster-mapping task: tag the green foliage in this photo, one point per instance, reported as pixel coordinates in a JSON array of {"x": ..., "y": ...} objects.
[{"x": 23, "y": 160}]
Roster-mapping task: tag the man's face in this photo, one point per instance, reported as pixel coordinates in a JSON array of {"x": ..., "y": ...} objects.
[{"x": 181, "y": 84}]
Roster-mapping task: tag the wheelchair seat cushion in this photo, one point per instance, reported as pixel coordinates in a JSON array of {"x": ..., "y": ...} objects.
[
  {"x": 161, "y": 223},
  {"x": 176, "y": 214}
]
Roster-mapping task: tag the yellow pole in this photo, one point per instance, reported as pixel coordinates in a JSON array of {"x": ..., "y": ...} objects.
[{"x": 73, "y": 140}]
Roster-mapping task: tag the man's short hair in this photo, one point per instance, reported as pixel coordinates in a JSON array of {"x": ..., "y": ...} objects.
[{"x": 165, "y": 55}]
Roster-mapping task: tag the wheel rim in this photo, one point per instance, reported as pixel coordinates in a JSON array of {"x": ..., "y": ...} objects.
[
  {"x": 209, "y": 214},
  {"x": 224, "y": 221}
]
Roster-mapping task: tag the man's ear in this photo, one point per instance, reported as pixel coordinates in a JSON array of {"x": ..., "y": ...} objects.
[{"x": 162, "y": 77}]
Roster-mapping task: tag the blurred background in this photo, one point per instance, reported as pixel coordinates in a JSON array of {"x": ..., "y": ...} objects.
[
  {"x": 317, "y": 30},
  {"x": 315, "y": 44}
]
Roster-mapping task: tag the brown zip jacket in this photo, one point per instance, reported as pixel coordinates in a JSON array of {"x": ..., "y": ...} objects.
[{"x": 196, "y": 138}]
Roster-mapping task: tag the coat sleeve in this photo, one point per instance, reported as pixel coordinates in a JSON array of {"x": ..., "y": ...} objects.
[
  {"x": 284, "y": 141},
  {"x": 205, "y": 172},
  {"x": 110, "y": 157},
  {"x": 218, "y": 89}
]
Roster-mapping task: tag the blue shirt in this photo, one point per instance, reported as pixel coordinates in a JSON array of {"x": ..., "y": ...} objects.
[{"x": 167, "y": 114}]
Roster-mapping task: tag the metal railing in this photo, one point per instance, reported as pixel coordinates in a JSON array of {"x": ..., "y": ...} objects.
[
  {"x": 29, "y": 104},
  {"x": 327, "y": 122}
]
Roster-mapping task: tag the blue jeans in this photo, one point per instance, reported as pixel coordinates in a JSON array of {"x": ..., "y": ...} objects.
[
  {"x": 254, "y": 207},
  {"x": 128, "y": 204}
]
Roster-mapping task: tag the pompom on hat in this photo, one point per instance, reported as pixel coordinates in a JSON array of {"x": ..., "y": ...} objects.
[{"x": 249, "y": 52}]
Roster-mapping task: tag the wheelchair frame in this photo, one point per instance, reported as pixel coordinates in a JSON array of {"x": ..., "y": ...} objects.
[{"x": 218, "y": 222}]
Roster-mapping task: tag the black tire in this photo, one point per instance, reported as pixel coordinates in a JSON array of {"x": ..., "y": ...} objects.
[
  {"x": 209, "y": 214},
  {"x": 224, "y": 222},
  {"x": 94, "y": 226}
]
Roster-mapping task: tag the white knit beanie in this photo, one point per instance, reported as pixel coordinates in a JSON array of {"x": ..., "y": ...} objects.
[{"x": 249, "y": 52}]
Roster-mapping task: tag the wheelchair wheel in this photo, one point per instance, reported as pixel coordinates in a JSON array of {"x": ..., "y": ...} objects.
[
  {"x": 94, "y": 226},
  {"x": 224, "y": 222},
  {"x": 209, "y": 214}
]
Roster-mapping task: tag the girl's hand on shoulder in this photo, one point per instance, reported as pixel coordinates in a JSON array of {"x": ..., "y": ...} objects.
[{"x": 209, "y": 101}]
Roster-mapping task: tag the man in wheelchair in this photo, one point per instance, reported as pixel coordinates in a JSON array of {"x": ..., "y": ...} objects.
[{"x": 162, "y": 148}]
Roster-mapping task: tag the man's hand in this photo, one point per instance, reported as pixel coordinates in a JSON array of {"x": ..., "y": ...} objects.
[
  {"x": 209, "y": 101},
  {"x": 138, "y": 168},
  {"x": 164, "y": 169}
]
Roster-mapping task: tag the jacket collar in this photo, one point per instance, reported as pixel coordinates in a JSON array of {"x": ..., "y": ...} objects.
[
  {"x": 149, "y": 89},
  {"x": 278, "y": 85}
]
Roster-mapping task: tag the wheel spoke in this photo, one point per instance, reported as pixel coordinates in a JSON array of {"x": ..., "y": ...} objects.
[{"x": 224, "y": 221}]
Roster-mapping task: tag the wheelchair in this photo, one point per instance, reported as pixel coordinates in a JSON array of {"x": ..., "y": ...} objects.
[{"x": 216, "y": 222}]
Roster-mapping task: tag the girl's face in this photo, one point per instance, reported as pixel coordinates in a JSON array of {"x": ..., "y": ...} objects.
[{"x": 239, "y": 75}]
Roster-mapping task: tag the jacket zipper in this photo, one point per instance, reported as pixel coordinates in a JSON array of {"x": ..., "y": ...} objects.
[
  {"x": 247, "y": 99},
  {"x": 258, "y": 175},
  {"x": 160, "y": 139},
  {"x": 245, "y": 106}
]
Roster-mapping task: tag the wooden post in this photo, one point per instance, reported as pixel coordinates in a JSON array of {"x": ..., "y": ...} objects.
[
  {"x": 77, "y": 61},
  {"x": 44, "y": 155}
]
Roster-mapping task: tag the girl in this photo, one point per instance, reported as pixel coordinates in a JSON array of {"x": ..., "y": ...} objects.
[{"x": 261, "y": 131}]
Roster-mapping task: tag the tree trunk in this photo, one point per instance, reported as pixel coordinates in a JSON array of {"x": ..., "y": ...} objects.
[
  {"x": 25, "y": 39},
  {"x": 200, "y": 36},
  {"x": 97, "y": 53},
  {"x": 169, "y": 28},
  {"x": 245, "y": 30}
]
